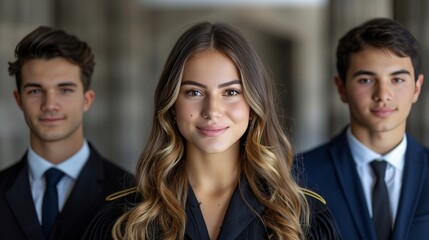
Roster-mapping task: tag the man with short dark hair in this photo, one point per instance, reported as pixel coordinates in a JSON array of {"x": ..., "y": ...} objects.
[
  {"x": 374, "y": 176},
  {"x": 61, "y": 181}
]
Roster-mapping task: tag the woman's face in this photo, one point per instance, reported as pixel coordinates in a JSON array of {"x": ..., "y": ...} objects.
[{"x": 211, "y": 111}]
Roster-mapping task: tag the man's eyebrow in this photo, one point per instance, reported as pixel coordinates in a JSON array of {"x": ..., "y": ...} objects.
[
  {"x": 27, "y": 85},
  {"x": 364, "y": 72},
  {"x": 67, "y": 84},
  {"x": 402, "y": 71},
  {"x": 38, "y": 85},
  {"x": 190, "y": 82}
]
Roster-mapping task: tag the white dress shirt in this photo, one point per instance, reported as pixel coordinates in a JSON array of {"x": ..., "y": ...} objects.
[
  {"x": 363, "y": 156},
  {"x": 70, "y": 167}
]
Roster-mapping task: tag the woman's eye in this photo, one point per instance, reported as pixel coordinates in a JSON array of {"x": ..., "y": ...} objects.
[
  {"x": 193, "y": 93},
  {"x": 232, "y": 92}
]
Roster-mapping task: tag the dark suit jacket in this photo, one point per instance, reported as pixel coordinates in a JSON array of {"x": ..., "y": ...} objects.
[
  {"x": 331, "y": 171},
  {"x": 18, "y": 218},
  {"x": 240, "y": 221}
]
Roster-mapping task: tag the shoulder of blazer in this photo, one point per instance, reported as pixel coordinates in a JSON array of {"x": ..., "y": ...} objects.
[
  {"x": 121, "y": 194},
  {"x": 314, "y": 195},
  {"x": 9, "y": 174}
]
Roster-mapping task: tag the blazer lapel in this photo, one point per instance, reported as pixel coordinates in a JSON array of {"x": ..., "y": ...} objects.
[
  {"x": 21, "y": 202},
  {"x": 414, "y": 170},
  {"x": 351, "y": 186},
  {"x": 195, "y": 225},
  {"x": 238, "y": 215}
]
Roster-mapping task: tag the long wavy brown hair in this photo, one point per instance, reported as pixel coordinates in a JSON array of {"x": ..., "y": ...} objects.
[{"x": 266, "y": 151}]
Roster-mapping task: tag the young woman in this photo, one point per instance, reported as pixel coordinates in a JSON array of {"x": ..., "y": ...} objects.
[{"x": 217, "y": 164}]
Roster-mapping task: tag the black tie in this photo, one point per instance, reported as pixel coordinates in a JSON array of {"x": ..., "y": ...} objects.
[
  {"x": 380, "y": 202},
  {"x": 50, "y": 199}
]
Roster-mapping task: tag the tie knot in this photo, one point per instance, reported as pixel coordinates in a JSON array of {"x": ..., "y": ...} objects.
[
  {"x": 53, "y": 176},
  {"x": 379, "y": 168}
]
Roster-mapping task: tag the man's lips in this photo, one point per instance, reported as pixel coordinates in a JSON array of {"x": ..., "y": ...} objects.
[
  {"x": 383, "y": 112},
  {"x": 212, "y": 131},
  {"x": 49, "y": 120}
]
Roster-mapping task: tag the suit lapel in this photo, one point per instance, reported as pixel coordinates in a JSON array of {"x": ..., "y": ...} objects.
[
  {"x": 21, "y": 202},
  {"x": 87, "y": 189},
  {"x": 351, "y": 186},
  {"x": 414, "y": 170}
]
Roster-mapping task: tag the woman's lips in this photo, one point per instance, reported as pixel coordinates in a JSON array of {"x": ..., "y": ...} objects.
[{"x": 212, "y": 131}]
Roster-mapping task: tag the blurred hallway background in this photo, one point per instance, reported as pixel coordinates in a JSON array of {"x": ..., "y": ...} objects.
[{"x": 132, "y": 38}]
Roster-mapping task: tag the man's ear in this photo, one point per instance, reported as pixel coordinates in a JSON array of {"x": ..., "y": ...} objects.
[
  {"x": 17, "y": 96},
  {"x": 419, "y": 83},
  {"x": 89, "y": 98},
  {"x": 341, "y": 88}
]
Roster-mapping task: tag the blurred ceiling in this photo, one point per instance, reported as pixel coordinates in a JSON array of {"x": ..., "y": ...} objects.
[{"x": 232, "y": 3}]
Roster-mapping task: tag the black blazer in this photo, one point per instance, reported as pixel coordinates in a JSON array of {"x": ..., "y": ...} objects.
[
  {"x": 240, "y": 221},
  {"x": 18, "y": 218},
  {"x": 330, "y": 170}
]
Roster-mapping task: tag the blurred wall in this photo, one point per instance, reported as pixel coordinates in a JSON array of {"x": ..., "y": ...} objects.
[
  {"x": 17, "y": 18},
  {"x": 414, "y": 15},
  {"x": 131, "y": 41}
]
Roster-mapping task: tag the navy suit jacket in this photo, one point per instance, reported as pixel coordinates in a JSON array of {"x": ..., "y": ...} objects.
[
  {"x": 18, "y": 218},
  {"x": 331, "y": 171}
]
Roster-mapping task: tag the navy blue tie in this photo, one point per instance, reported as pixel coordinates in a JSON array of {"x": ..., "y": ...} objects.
[
  {"x": 50, "y": 199},
  {"x": 380, "y": 202}
]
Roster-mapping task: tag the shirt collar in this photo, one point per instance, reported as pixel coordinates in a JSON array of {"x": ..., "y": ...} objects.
[
  {"x": 71, "y": 166},
  {"x": 362, "y": 155}
]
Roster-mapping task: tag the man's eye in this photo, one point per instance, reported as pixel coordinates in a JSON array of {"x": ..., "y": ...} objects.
[
  {"x": 66, "y": 90},
  {"x": 398, "y": 80},
  {"x": 365, "y": 80},
  {"x": 34, "y": 91}
]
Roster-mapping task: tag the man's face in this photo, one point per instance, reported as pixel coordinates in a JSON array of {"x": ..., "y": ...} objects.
[
  {"x": 52, "y": 100},
  {"x": 380, "y": 89}
]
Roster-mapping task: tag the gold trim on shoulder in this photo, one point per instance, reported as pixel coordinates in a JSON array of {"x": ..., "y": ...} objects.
[
  {"x": 314, "y": 195},
  {"x": 121, "y": 193}
]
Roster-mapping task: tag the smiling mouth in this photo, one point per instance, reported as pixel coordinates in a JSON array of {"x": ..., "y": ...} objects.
[{"x": 212, "y": 132}]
